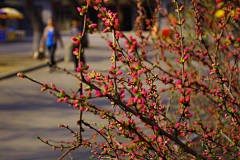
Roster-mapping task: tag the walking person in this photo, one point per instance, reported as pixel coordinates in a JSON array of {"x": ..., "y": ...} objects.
[
  {"x": 49, "y": 38},
  {"x": 75, "y": 30}
]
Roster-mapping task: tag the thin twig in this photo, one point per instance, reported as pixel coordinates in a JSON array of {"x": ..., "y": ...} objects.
[
  {"x": 228, "y": 139},
  {"x": 69, "y": 150}
]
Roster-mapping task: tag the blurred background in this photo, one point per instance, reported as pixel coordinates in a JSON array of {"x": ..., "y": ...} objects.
[
  {"x": 22, "y": 23},
  {"x": 63, "y": 11}
]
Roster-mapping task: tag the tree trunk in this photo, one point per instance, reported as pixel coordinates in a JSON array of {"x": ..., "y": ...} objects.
[{"x": 36, "y": 21}]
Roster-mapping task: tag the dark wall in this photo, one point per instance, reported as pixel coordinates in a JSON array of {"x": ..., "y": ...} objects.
[{"x": 127, "y": 19}]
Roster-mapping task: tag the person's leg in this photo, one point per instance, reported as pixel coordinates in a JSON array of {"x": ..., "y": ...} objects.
[
  {"x": 52, "y": 53},
  {"x": 49, "y": 50}
]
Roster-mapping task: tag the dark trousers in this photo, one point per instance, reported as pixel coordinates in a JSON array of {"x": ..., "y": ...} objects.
[
  {"x": 51, "y": 50},
  {"x": 75, "y": 57}
]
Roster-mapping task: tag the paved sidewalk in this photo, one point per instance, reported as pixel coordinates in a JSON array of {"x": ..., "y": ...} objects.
[{"x": 17, "y": 56}]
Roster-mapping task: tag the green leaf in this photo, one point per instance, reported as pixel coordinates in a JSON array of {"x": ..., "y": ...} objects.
[{"x": 60, "y": 94}]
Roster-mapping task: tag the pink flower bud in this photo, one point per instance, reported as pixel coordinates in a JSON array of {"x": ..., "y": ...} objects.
[
  {"x": 59, "y": 100},
  {"x": 131, "y": 68},
  {"x": 181, "y": 7},
  {"x": 144, "y": 92},
  {"x": 153, "y": 138},
  {"x": 105, "y": 30},
  {"x": 183, "y": 20},
  {"x": 97, "y": 1},
  {"x": 178, "y": 124},
  {"x": 185, "y": 58},
  {"x": 99, "y": 15},
  {"x": 94, "y": 25},
  {"x": 144, "y": 57},
  {"x": 76, "y": 102},
  {"x": 135, "y": 100},
  {"x": 176, "y": 35},
  {"x": 180, "y": 90},
  {"x": 110, "y": 44},
  {"x": 188, "y": 98},
  {"x": 80, "y": 64},
  {"x": 155, "y": 128},
  {"x": 74, "y": 38},
  {"x": 78, "y": 41},
  {"x": 65, "y": 99},
  {"x": 188, "y": 92},
  {"x": 119, "y": 72}
]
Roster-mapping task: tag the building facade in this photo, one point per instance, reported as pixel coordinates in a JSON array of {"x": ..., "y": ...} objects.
[{"x": 61, "y": 11}]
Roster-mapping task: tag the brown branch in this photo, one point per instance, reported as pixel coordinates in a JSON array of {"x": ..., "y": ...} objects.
[
  {"x": 115, "y": 63},
  {"x": 66, "y": 153},
  {"x": 81, "y": 76},
  {"x": 161, "y": 131}
]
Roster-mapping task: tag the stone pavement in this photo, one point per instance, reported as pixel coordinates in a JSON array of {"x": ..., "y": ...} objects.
[{"x": 17, "y": 56}]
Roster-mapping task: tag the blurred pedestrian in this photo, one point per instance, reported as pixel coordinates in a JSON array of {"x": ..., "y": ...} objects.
[
  {"x": 156, "y": 30},
  {"x": 74, "y": 31},
  {"x": 49, "y": 38}
]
